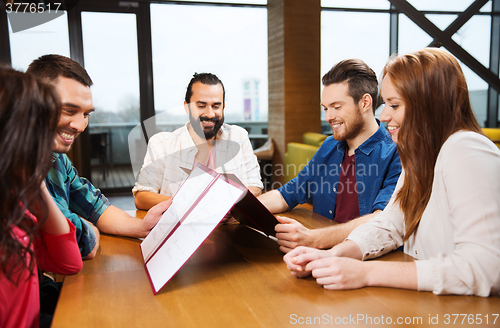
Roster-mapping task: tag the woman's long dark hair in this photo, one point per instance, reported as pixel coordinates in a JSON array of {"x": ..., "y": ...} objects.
[
  {"x": 29, "y": 113},
  {"x": 436, "y": 98}
]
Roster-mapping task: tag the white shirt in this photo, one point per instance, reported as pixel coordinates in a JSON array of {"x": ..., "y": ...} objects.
[
  {"x": 457, "y": 242},
  {"x": 169, "y": 151}
]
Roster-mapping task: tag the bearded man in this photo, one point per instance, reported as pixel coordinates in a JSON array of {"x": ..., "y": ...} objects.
[
  {"x": 353, "y": 173},
  {"x": 205, "y": 139}
]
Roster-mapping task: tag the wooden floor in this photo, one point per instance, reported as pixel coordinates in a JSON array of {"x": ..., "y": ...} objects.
[{"x": 118, "y": 176}]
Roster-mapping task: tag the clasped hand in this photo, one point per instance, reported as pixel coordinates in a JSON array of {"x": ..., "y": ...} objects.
[{"x": 329, "y": 270}]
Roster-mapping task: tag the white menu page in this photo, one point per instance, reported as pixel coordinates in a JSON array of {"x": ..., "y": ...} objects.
[
  {"x": 189, "y": 192},
  {"x": 189, "y": 224}
]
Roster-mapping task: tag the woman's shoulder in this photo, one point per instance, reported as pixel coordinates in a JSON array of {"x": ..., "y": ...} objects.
[
  {"x": 466, "y": 139},
  {"x": 464, "y": 145}
]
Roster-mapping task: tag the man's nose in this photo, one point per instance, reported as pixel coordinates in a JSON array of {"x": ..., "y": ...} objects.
[
  {"x": 329, "y": 115},
  {"x": 210, "y": 112},
  {"x": 79, "y": 123}
]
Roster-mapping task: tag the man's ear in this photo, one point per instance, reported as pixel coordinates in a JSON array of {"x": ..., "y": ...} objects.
[
  {"x": 366, "y": 103},
  {"x": 186, "y": 107}
]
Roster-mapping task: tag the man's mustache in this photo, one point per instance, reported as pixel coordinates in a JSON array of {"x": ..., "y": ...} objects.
[{"x": 214, "y": 119}]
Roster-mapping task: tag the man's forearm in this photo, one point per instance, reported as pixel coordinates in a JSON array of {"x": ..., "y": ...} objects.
[
  {"x": 256, "y": 191},
  {"x": 273, "y": 201},
  {"x": 115, "y": 221},
  {"x": 331, "y": 236},
  {"x": 144, "y": 200}
]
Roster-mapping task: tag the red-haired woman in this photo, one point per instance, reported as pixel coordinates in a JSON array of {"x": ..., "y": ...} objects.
[{"x": 446, "y": 206}]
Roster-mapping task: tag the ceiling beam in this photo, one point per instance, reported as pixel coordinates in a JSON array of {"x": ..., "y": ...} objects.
[
  {"x": 418, "y": 18},
  {"x": 461, "y": 20}
]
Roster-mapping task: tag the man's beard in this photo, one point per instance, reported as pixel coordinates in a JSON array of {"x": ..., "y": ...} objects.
[
  {"x": 355, "y": 127},
  {"x": 206, "y": 133}
]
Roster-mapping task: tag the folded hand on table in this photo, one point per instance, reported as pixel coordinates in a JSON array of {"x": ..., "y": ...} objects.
[
  {"x": 298, "y": 259},
  {"x": 331, "y": 271}
]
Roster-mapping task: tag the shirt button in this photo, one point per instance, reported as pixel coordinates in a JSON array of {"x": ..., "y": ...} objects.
[
  {"x": 416, "y": 253},
  {"x": 334, "y": 189},
  {"x": 330, "y": 211}
]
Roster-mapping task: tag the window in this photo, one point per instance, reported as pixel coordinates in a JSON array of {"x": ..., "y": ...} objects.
[
  {"x": 255, "y": 2},
  {"x": 354, "y": 35},
  {"x": 111, "y": 59},
  {"x": 230, "y": 42},
  {"x": 471, "y": 37},
  {"x": 365, "y": 4},
  {"x": 48, "y": 38},
  {"x": 447, "y": 5}
]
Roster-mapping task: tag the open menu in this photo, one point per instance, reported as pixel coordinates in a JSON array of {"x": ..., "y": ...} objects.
[{"x": 197, "y": 208}]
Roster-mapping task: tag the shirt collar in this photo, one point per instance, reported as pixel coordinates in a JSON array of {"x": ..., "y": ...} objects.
[
  {"x": 55, "y": 156},
  {"x": 223, "y": 132},
  {"x": 371, "y": 143}
]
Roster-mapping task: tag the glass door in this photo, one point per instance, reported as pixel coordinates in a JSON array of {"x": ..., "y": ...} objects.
[{"x": 111, "y": 59}]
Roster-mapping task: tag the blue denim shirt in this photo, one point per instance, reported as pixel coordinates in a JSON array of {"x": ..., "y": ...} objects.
[
  {"x": 377, "y": 171},
  {"x": 77, "y": 198}
]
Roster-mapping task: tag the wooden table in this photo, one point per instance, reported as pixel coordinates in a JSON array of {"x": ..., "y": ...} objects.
[{"x": 237, "y": 278}]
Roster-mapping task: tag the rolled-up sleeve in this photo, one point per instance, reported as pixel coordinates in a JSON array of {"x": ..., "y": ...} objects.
[
  {"x": 153, "y": 168},
  {"x": 77, "y": 199},
  {"x": 58, "y": 253},
  {"x": 250, "y": 169},
  {"x": 296, "y": 191},
  {"x": 389, "y": 182}
]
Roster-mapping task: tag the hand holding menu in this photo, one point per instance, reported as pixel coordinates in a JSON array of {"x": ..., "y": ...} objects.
[{"x": 197, "y": 208}]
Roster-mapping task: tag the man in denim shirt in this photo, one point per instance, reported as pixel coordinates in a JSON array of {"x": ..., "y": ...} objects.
[
  {"x": 83, "y": 204},
  {"x": 353, "y": 174}
]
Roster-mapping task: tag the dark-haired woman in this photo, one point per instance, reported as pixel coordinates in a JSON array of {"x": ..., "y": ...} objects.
[{"x": 33, "y": 233}]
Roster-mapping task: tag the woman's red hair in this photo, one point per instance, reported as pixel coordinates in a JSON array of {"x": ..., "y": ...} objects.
[{"x": 436, "y": 98}]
